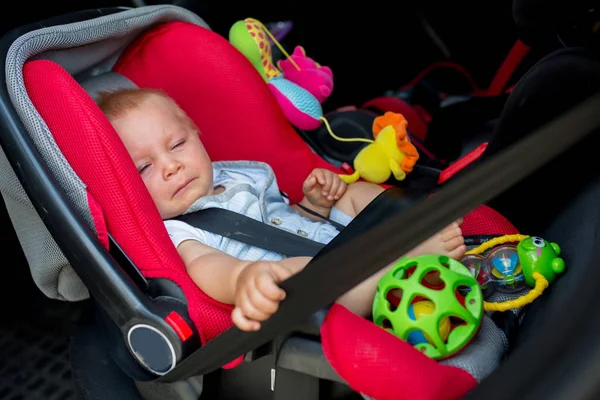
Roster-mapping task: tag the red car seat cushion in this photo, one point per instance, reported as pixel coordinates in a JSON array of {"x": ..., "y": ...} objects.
[
  {"x": 97, "y": 155},
  {"x": 383, "y": 367}
]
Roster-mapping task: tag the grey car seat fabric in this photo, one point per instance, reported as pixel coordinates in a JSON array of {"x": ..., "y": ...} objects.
[
  {"x": 105, "y": 82},
  {"x": 87, "y": 50}
]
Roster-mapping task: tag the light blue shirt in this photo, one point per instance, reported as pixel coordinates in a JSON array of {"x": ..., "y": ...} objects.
[{"x": 251, "y": 189}]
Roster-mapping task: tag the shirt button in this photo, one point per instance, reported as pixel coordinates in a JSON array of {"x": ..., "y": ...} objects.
[
  {"x": 276, "y": 221},
  {"x": 302, "y": 233}
]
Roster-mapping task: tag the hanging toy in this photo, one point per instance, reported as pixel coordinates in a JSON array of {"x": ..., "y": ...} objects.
[
  {"x": 302, "y": 85},
  {"x": 390, "y": 153},
  {"x": 297, "y": 103},
  {"x": 308, "y": 74},
  {"x": 432, "y": 302},
  {"x": 533, "y": 262}
]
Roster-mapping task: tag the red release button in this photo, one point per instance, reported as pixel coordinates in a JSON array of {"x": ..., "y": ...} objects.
[
  {"x": 347, "y": 168},
  {"x": 181, "y": 327}
]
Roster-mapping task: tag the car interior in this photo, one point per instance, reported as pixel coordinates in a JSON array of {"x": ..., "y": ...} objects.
[{"x": 97, "y": 305}]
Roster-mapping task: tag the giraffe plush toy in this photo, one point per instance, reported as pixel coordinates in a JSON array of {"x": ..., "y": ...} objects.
[{"x": 299, "y": 87}]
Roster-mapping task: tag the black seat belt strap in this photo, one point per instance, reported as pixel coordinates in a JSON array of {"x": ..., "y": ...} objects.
[{"x": 247, "y": 230}]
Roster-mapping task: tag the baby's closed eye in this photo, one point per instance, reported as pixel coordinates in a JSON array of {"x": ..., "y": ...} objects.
[
  {"x": 178, "y": 144},
  {"x": 143, "y": 167}
]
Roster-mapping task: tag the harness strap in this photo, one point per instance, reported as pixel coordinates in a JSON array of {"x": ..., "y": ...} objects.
[{"x": 247, "y": 230}]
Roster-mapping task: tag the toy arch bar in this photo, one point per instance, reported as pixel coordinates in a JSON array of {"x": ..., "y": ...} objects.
[{"x": 349, "y": 264}]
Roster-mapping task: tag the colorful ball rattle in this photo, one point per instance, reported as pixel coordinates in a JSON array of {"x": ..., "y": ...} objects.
[
  {"x": 534, "y": 262},
  {"x": 417, "y": 310},
  {"x": 420, "y": 300}
]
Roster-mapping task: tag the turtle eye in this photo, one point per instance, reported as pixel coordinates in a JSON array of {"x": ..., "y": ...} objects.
[{"x": 538, "y": 241}]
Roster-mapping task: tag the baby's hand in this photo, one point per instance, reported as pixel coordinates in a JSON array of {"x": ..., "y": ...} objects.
[
  {"x": 323, "y": 188},
  {"x": 257, "y": 294}
]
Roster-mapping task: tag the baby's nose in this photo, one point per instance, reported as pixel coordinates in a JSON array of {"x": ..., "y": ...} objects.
[{"x": 171, "y": 168}]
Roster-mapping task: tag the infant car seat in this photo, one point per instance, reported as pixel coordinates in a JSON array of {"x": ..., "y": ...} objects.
[{"x": 74, "y": 195}]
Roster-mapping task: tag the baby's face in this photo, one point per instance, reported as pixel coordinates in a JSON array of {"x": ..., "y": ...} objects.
[{"x": 168, "y": 154}]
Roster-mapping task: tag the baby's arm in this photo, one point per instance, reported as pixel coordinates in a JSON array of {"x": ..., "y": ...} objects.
[{"x": 250, "y": 286}]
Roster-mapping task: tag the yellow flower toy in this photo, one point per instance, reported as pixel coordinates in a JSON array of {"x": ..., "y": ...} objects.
[{"x": 390, "y": 153}]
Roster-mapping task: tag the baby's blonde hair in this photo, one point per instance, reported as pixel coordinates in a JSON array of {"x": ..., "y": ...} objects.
[{"x": 116, "y": 104}]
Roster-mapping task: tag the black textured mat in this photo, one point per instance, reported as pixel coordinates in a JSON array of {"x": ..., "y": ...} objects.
[
  {"x": 34, "y": 358},
  {"x": 34, "y": 330}
]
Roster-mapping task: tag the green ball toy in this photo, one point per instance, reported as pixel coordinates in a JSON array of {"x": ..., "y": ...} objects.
[{"x": 451, "y": 293}]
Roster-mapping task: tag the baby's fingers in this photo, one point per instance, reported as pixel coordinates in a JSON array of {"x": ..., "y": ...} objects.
[
  {"x": 267, "y": 286},
  {"x": 250, "y": 309},
  {"x": 309, "y": 184},
  {"x": 335, "y": 185},
  {"x": 242, "y": 322},
  {"x": 263, "y": 307},
  {"x": 320, "y": 175},
  {"x": 327, "y": 186}
]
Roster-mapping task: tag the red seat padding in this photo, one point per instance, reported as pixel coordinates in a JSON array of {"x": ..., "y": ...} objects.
[
  {"x": 96, "y": 153},
  {"x": 383, "y": 367},
  {"x": 485, "y": 220}
]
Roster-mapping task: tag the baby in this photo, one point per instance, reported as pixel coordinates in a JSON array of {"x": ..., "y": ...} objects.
[{"x": 165, "y": 145}]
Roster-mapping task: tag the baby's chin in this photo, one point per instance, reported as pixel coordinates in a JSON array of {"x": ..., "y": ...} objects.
[
  {"x": 183, "y": 204},
  {"x": 174, "y": 209}
]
